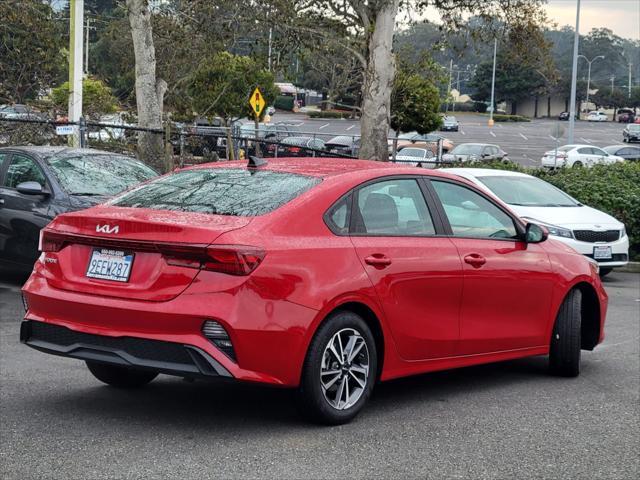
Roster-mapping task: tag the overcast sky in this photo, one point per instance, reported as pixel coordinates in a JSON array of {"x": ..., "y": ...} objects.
[{"x": 621, "y": 16}]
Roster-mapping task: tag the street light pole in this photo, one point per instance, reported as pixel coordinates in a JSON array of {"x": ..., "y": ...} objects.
[
  {"x": 493, "y": 81},
  {"x": 629, "y": 80},
  {"x": 76, "y": 9},
  {"x": 574, "y": 76},
  {"x": 589, "y": 74}
]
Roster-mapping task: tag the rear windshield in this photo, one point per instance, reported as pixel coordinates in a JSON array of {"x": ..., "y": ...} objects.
[{"x": 220, "y": 191}]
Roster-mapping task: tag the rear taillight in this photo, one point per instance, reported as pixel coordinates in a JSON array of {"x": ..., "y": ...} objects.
[
  {"x": 50, "y": 241},
  {"x": 230, "y": 259},
  {"x": 294, "y": 149}
]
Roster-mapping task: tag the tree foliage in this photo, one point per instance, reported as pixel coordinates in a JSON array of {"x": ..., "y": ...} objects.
[
  {"x": 415, "y": 104},
  {"x": 31, "y": 49},
  {"x": 221, "y": 86},
  {"x": 97, "y": 99}
]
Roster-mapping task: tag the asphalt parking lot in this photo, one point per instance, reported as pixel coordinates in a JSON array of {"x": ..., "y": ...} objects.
[
  {"x": 506, "y": 420},
  {"x": 525, "y": 142}
]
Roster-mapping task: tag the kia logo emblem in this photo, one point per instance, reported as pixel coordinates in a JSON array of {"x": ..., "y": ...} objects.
[{"x": 107, "y": 228}]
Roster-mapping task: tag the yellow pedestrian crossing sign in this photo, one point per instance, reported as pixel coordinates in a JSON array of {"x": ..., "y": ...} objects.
[{"x": 257, "y": 102}]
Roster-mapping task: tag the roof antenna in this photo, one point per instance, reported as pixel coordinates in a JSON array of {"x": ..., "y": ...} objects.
[{"x": 256, "y": 162}]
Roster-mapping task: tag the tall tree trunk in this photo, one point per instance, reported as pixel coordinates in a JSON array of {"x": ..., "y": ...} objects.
[
  {"x": 378, "y": 83},
  {"x": 149, "y": 90}
]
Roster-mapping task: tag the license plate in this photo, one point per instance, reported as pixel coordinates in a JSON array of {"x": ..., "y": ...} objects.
[
  {"x": 107, "y": 264},
  {"x": 602, "y": 253}
]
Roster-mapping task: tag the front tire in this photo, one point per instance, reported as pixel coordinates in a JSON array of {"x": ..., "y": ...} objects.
[
  {"x": 339, "y": 371},
  {"x": 120, "y": 377},
  {"x": 564, "y": 352},
  {"x": 605, "y": 271}
]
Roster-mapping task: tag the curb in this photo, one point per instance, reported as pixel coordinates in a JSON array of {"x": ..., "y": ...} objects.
[{"x": 632, "y": 267}]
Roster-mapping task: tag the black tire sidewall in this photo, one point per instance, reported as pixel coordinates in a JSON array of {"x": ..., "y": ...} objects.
[
  {"x": 314, "y": 404},
  {"x": 120, "y": 376}
]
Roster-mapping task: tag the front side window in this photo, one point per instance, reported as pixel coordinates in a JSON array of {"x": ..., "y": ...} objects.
[
  {"x": 23, "y": 169},
  {"x": 219, "y": 191},
  {"x": 472, "y": 215},
  {"x": 394, "y": 208}
]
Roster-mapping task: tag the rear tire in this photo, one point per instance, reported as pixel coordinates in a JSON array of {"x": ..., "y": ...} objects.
[
  {"x": 336, "y": 398},
  {"x": 120, "y": 377},
  {"x": 577, "y": 164},
  {"x": 564, "y": 352}
]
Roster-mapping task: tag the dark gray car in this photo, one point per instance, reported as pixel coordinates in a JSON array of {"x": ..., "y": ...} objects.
[{"x": 38, "y": 183}]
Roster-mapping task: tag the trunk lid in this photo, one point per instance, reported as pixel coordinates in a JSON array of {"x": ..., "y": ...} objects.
[{"x": 141, "y": 235}]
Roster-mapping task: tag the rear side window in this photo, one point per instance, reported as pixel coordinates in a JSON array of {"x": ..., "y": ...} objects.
[
  {"x": 393, "y": 208},
  {"x": 220, "y": 191}
]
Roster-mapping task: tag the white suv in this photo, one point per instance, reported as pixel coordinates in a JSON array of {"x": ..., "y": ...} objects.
[
  {"x": 578, "y": 156},
  {"x": 591, "y": 232}
]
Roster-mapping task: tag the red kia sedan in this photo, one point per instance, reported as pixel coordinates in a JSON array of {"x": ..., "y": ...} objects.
[{"x": 324, "y": 275}]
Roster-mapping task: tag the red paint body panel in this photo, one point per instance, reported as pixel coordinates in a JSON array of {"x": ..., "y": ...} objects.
[{"x": 434, "y": 310}]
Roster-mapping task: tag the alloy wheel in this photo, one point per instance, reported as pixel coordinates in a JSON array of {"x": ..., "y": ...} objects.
[{"x": 344, "y": 370}]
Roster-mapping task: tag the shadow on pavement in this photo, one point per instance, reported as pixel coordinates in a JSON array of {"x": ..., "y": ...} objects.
[
  {"x": 168, "y": 402},
  {"x": 13, "y": 277}
]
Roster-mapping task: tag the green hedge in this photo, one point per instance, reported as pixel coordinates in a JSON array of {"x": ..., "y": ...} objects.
[
  {"x": 614, "y": 189},
  {"x": 510, "y": 118},
  {"x": 329, "y": 114}
]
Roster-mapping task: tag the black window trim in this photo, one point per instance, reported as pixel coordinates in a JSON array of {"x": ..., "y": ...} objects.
[
  {"x": 520, "y": 228},
  {"x": 435, "y": 216}
]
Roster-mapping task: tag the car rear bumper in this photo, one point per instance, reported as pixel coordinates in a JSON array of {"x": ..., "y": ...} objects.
[
  {"x": 166, "y": 357},
  {"x": 269, "y": 335}
]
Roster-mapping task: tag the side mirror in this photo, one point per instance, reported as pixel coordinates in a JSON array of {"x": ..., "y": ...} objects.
[
  {"x": 30, "y": 188},
  {"x": 535, "y": 233}
]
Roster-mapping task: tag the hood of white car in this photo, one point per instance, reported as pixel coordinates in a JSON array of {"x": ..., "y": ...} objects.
[{"x": 569, "y": 217}]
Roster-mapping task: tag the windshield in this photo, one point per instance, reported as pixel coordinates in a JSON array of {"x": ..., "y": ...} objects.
[
  {"x": 467, "y": 149},
  {"x": 98, "y": 174},
  {"x": 527, "y": 192},
  {"x": 634, "y": 128},
  {"x": 221, "y": 191}
]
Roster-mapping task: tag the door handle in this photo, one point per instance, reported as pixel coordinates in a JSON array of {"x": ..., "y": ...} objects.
[
  {"x": 475, "y": 260},
  {"x": 378, "y": 260}
]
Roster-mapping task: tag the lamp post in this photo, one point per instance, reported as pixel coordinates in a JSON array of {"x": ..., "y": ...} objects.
[
  {"x": 574, "y": 75},
  {"x": 589, "y": 73},
  {"x": 493, "y": 81}
]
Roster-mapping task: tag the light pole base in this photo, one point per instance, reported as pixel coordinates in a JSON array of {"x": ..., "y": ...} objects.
[{"x": 490, "y": 122}]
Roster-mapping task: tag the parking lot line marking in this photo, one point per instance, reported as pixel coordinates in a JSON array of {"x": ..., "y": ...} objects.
[
  {"x": 324, "y": 126},
  {"x": 585, "y": 140},
  {"x": 462, "y": 132},
  {"x": 498, "y": 125},
  {"x": 615, "y": 140},
  {"x": 522, "y": 135},
  {"x": 349, "y": 128},
  {"x": 491, "y": 132},
  {"x": 552, "y": 137}
]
